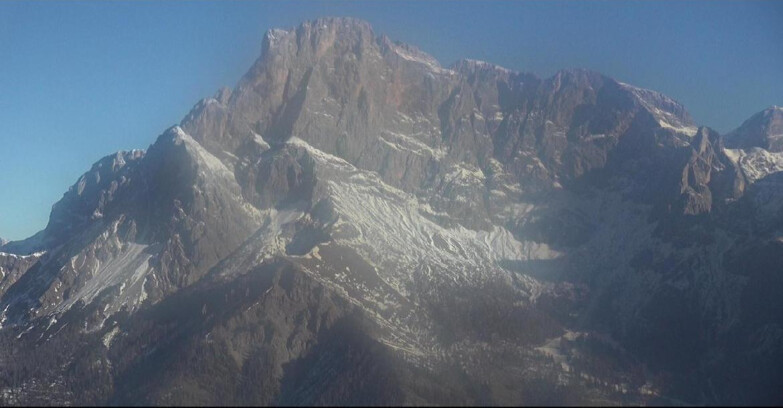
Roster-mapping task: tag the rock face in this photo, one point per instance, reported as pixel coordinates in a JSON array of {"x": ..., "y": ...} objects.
[
  {"x": 355, "y": 224},
  {"x": 13, "y": 266},
  {"x": 764, "y": 130}
]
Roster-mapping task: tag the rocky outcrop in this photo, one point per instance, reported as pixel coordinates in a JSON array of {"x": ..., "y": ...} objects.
[
  {"x": 704, "y": 161},
  {"x": 13, "y": 266}
]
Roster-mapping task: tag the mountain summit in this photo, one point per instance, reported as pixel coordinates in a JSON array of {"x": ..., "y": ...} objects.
[
  {"x": 354, "y": 223},
  {"x": 764, "y": 130}
]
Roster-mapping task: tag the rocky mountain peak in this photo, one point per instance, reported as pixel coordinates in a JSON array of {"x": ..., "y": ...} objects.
[
  {"x": 322, "y": 29},
  {"x": 352, "y": 197},
  {"x": 764, "y": 130},
  {"x": 88, "y": 198},
  {"x": 668, "y": 112},
  {"x": 311, "y": 40}
]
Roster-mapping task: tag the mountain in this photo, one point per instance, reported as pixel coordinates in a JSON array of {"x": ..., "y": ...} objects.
[
  {"x": 354, "y": 223},
  {"x": 764, "y": 130}
]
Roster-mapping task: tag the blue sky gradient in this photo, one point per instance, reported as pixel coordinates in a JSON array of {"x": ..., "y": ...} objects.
[{"x": 79, "y": 80}]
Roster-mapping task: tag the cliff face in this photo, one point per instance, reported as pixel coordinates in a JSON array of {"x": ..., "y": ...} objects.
[{"x": 354, "y": 223}]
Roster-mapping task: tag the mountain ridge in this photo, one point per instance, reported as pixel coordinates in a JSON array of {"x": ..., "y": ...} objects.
[{"x": 468, "y": 218}]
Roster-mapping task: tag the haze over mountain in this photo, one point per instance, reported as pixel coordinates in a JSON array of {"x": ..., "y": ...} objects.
[{"x": 354, "y": 223}]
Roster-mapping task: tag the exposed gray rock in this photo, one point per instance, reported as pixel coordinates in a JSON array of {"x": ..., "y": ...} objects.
[
  {"x": 764, "y": 130},
  {"x": 354, "y": 223}
]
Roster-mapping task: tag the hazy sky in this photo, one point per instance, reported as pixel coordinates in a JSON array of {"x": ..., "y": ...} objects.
[{"x": 79, "y": 80}]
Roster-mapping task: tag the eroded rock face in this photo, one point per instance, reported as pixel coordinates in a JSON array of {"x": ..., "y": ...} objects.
[
  {"x": 13, "y": 266},
  {"x": 389, "y": 108},
  {"x": 88, "y": 199},
  {"x": 355, "y": 223},
  {"x": 697, "y": 174}
]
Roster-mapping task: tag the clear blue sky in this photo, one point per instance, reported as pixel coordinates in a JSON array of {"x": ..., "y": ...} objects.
[{"x": 79, "y": 80}]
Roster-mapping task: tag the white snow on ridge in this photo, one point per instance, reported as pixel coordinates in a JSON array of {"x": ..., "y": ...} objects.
[
  {"x": 389, "y": 228},
  {"x": 319, "y": 154},
  {"x": 410, "y": 143},
  {"x": 217, "y": 167},
  {"x": 756, "y": 163},
  {"x": 259, "y": 140},
  {"x": 128, "y": 269},
  {"x": 205, "y": 157},
  {"x": 108, "y": 337},
  {"x": 423, "y": 59},
  {"x": 392, "y": 231},
  {"x": 465, "y": 174},
  {"x": 665, "y": 119},
  {"x": 686, "y": 130},
  {"x": 489, "y": 65},
  {"x": 33, "y": 255}
]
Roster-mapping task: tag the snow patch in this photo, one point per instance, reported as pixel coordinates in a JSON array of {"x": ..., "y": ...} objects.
[
  {"x": 204, "y": 157},
  {"x": 686, "y": 130},
  {"x": 108, "y": 337},
  {"x": 423, "y": 59},
  {"x": 410, "y": 144},
  {"x": 260, "y": 141},
  {"x": 756, "y": 163},
  {"x": 127, "y": 268},
  {"x": 465, "y": 174},
  {"x": 15, "y": 256}
]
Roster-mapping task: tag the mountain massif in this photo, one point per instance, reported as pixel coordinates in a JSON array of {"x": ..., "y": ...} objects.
[{"x": 355, "y": 224}]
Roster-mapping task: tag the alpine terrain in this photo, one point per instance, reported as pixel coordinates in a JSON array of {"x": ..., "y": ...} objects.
[{"x": 354, "y": 223}]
